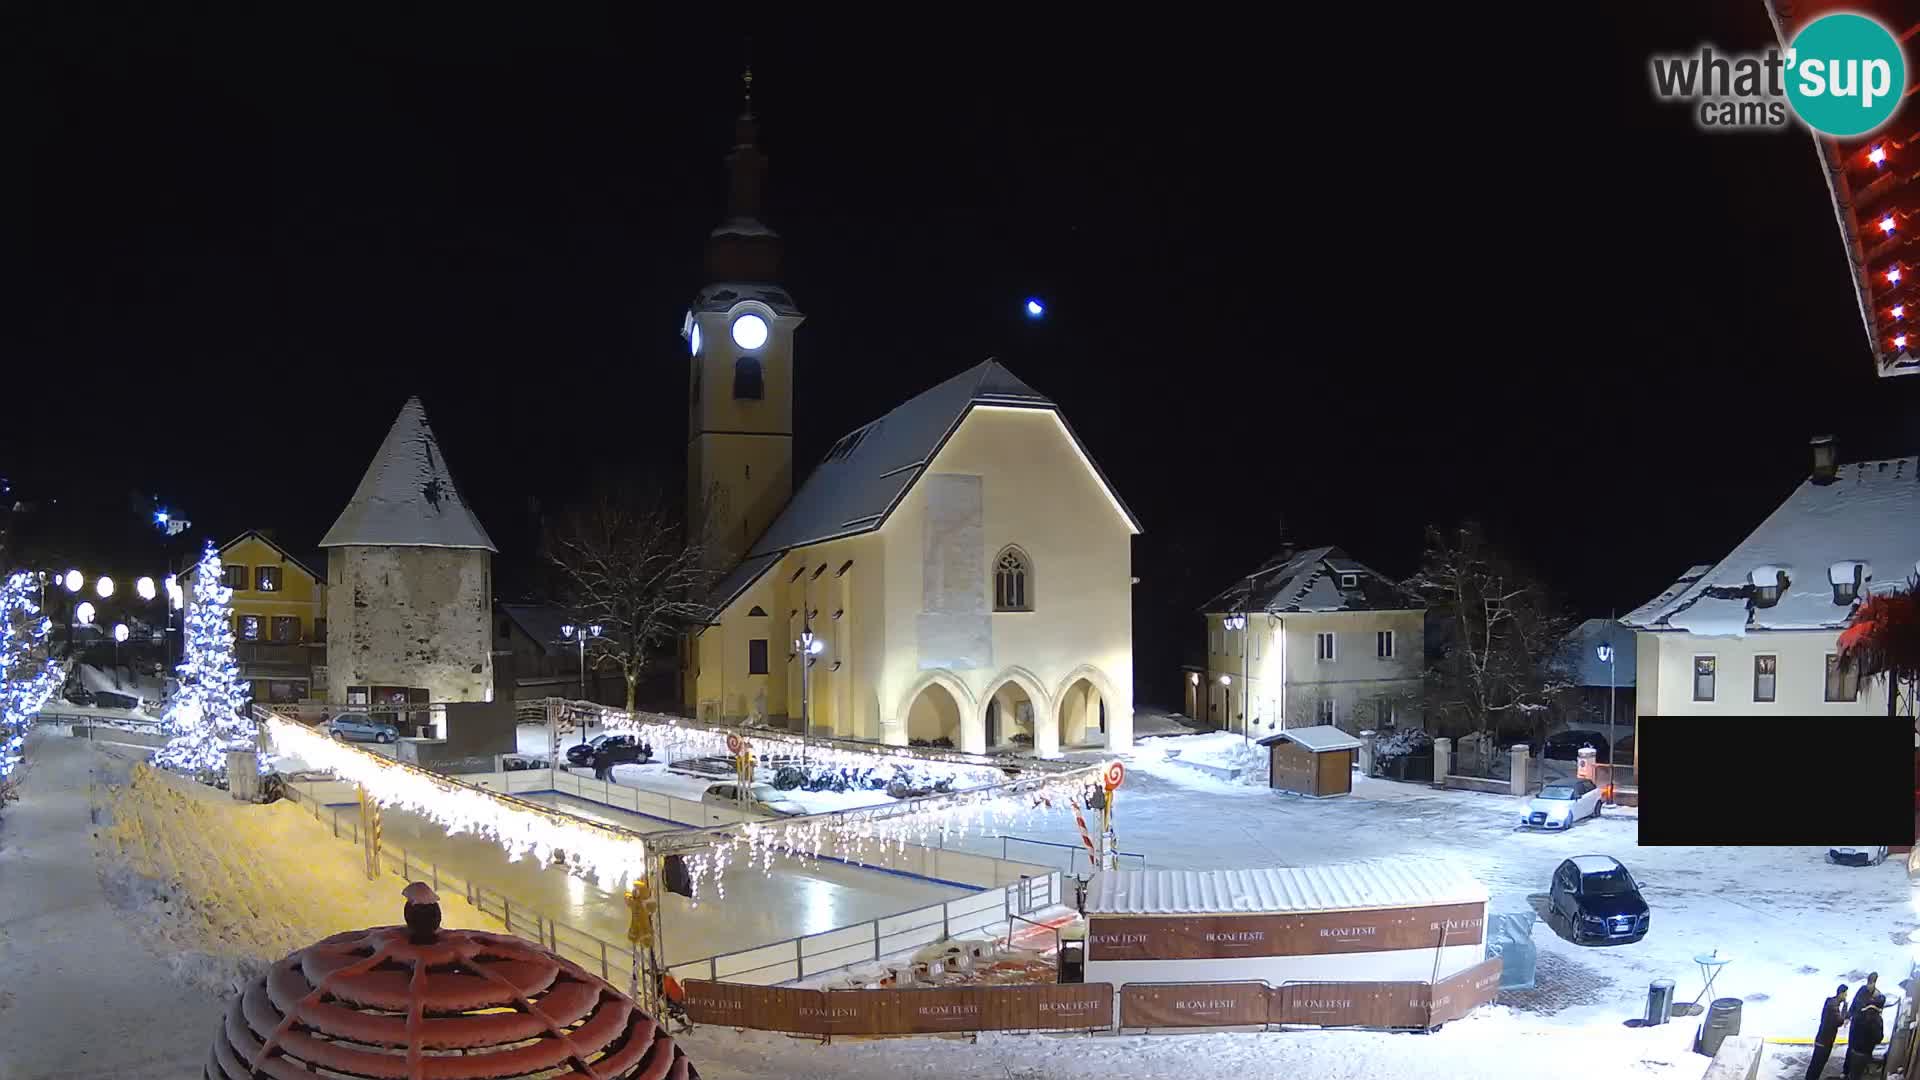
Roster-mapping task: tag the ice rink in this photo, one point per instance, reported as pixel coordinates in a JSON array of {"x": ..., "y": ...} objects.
[{"x": 796, "y": 899}]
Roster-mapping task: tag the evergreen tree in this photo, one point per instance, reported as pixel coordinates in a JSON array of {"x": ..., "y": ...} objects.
[
  {"x": 209, "y": 714},
  {"x": 28, "y": 672}
]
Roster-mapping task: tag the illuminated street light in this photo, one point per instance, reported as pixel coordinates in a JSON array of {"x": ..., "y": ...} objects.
[
  {"x": 84, "y": 613},
  {"x": 1035, "y": 308},
  {"x": 119, "y": 633},
  {"x": 145, "y": 588},
  {"x": 104, "y": 587},
  {"x": 73, "y": 581}
]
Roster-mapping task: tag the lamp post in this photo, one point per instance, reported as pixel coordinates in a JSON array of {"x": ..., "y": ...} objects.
[
  {"x": 581, "y": 635},
  {"x": 1606, "y": 654},
  {"x": 807, "y": 647}
]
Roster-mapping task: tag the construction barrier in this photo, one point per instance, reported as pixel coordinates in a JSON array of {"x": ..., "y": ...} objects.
[{"x": 1068, "y": 1007}]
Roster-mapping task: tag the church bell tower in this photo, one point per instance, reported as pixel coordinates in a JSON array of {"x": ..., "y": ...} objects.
[{"x": 740, "y": 334}]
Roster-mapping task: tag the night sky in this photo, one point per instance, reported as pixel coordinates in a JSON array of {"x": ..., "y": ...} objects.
[{"x": 1448, "y": 270}]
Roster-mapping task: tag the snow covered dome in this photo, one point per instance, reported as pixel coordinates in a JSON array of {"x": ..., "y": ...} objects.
[{"x": 465, "y": 1003}]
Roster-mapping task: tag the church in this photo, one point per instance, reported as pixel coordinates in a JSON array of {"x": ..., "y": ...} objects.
[{"x": 958, "y": 572}]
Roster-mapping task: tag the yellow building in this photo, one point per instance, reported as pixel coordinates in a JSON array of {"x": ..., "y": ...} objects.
[
  {"x": 1311, "y": 637},
  {"x": 958, "y": 570},
  {"x": 279, "y": 618}
]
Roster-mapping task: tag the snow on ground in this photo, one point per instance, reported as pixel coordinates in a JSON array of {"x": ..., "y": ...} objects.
[
  {"x": 1794, "y": 924},
  {"x": 1495, "y": 1044},
  {"x": 225, "y": 888}
]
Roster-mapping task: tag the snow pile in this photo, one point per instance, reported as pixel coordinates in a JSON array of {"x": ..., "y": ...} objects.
[
  {"x": 222, "y": 889},
  {"x": 1217, "y": 753}
]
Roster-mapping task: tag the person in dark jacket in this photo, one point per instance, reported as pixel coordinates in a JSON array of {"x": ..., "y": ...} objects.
[
  {"x": 1865, "y": 1034},
  {"x": 603, "y": 763},
  {"x": 1833, "y": 1013},
  {"x": 1867, "y": 993}
]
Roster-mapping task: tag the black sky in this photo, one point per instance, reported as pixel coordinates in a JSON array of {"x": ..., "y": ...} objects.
[{"x": 1360, "y": 272}]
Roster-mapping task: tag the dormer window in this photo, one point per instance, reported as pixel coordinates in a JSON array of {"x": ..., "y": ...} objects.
[
  {"x": 1349, "y": 581},
  {"x": 1768, "y": 583},
  {"x": 1847, "y": 579}
]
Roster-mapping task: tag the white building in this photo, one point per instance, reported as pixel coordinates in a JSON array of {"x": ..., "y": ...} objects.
[
  {"x": 1311, "y": 637},
  {"x": 409, "y": 583},
  {"x": 957, "y": 571},
  {"x": 1757, "y": 631}
]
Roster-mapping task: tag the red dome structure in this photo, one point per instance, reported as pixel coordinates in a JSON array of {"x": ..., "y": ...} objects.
[{"x": 416, "y": 1002}]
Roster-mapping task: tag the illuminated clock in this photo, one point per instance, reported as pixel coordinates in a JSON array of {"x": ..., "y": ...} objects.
[
  {"x": 693, "y": 339},
  {"x": 750, "y": 332}
]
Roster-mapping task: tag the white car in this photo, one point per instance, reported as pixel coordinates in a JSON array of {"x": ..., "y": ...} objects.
[
  {"x": 766, "y": 799},
  {"x": 1561, "y": 803},
  {"x": 1857, "y": 856}
]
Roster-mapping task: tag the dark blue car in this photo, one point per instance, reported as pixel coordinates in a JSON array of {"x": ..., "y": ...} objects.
[{"x": 1595, "y": 901}]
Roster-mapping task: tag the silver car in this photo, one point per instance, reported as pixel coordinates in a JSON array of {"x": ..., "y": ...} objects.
[
  {"x": 766, "y": 798},
  {"x": 359, "y": 727}
]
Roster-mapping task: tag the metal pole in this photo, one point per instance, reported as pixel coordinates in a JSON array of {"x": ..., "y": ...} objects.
[
  {"x": 1246, "y": 661},
  {"x": 1613, "y": 659}
]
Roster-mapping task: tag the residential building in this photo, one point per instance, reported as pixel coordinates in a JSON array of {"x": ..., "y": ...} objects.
[
  {"x": 1757, "y": 632},
  {"x": 959, "y": 570},
  {"x": 1601, "y": 655},
  {"x": 1311, "y": 637},
  {"x": 546, "y": 663},
  {"x": 409, "y": 584},
  {"x": 279, "y": 617}
]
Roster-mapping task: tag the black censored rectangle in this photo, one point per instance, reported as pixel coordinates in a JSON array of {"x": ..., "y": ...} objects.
[{"x": 1756, "y": 781}]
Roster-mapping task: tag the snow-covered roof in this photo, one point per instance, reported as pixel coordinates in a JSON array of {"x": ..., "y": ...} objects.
[
  {"x": 870, "y": 469},
  {"x": 1595, "y": 864},
  {"x": 540, "y": 622},
  {"x": 307, "y": 564},
  {"x": 1584, "y": 651},
  {"x": 1868, "y": 514},
  {"x": 1318, "y": 738},
  {"x": 1381, "y": 883},
  {"x": 723, "y": 295},
  {"x": 1309, "y": 580},
  {"x": 407, "y": 497},
  {"x": 742, "y": 226}
]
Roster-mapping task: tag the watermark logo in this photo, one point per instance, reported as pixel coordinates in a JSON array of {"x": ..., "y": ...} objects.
[{"x": 1842, "y": 75}]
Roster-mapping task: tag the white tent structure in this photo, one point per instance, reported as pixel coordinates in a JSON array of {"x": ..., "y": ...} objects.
[{"x": 1387, "y": 920}]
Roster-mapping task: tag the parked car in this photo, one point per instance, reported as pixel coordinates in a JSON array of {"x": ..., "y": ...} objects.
[
  {"x": 359, "y": 727},
  {"x": 1857, "y": 856},
  {"x": 1566, "y": 745},
  {"x": 1597, "y": 902},
  {"x": 1562, "y": 803},
  {"x": 622, "y": 749},
  {"x": 109, "y": 699},
  {"x": 582, "y": 753},
  {"x": 765, "y": 797},
  {"x": 78, "y": 695}
]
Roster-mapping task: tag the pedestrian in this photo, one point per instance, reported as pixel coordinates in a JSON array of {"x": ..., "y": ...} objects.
[
  {"x": 603, "y": 763},
  {"x": 1866, "y": 994},
  {"x": 1864, "y": 1036},
  {"x": 1833, "y": 1013}
]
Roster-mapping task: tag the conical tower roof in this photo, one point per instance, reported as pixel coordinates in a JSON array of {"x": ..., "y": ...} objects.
[{"x": 408, "y": 497}]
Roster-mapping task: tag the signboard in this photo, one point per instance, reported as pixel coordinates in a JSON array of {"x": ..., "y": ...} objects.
[
  {"x": 1457, "y": 995},
  {"x": 1072, "y": 1007},
  {"x": 1352, "y": 1004},
  {"x": 1164, "y": 1005},
  {"x": 1314, "y": 933}
]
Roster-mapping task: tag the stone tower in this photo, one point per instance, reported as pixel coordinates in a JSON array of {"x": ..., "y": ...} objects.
[
  {"x": 740, "y": 333},
  {"x": 410, "y": 581}
]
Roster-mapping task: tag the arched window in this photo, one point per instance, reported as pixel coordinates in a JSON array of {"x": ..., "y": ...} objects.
[
  {"x": 747, "y": 384},
  {"x": 1012, "y": 581}
]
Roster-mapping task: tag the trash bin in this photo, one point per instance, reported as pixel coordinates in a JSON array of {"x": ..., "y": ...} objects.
[
  {"x": 1723, "y": 1019},
  {"x": 1659, "y": 1001}
]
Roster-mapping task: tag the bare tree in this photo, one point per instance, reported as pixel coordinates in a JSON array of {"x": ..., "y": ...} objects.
[
  {"x": 629, "y": 562},
  {"x": 1503, "y": 662}
]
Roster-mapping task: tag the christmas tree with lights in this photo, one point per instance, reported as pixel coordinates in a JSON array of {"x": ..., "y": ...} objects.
[
  {"x": 28, "y": 672},
  {"x": 208, "y": 716}
]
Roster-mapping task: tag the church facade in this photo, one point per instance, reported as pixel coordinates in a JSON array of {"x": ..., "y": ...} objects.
[{"x": 957, "y": 572}]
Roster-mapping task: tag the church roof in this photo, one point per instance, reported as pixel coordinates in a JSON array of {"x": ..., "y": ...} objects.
[
  {"x": 408, "y": 497},
  {"x": 870, "y": 469},
  {"x": 722, "y": 296}
]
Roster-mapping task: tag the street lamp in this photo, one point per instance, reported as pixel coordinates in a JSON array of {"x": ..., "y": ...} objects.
[
  {"x": 144, "y": 587},
  {"x": 104, "y": 587},
  {"x": 73, "y": 581},
  {"x": 1606, "y": 654},
  {"x": 581, "y": 635},
  {"x": 83, "y": 614},
  {"x": 807, "y": 647},
  {"x": 119, "y": 635}
]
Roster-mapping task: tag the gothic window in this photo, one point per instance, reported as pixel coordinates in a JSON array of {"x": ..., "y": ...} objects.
[
  {"x": 1012, "y": 581},
  {"x": 747, "y": 383}
]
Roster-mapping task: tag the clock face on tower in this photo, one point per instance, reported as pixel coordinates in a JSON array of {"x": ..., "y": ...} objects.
[
  {"x": 750, "y": 332},
  {"x": 693, "y": 339}
]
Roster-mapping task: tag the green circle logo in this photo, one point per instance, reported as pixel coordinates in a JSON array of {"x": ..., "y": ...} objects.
[{"x": 1845, "y": 74}]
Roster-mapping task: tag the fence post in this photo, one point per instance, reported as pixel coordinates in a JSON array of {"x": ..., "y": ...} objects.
[
  {"x": 406, "y": 868},
  {"x": 336, "y": 821},
  {"x": 436, "y": 877},
  {"x": 799, "y": 960},
  {"x": 945, "y": 931},
  {"x": 876, "y": 940},
  {"x": 603, "y": 961},
  {"x": 506, "y": 907}
]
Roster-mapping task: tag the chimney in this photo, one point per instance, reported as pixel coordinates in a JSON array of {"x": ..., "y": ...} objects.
[{"x": 1826, "y": 459}]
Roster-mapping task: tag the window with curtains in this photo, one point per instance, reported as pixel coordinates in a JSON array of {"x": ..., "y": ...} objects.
[{"x": 1765, "y": 672}]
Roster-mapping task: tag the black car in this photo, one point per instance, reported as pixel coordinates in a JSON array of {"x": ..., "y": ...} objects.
[
  {"x": 621, "y": 750},
  {"x": 1597, "y": 902},
  {"x": 626, "y": 750},
  {"x": 1566, "y": 746}
]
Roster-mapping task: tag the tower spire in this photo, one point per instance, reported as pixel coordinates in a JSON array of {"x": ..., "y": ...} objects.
[{"x": 743, "y": 248}]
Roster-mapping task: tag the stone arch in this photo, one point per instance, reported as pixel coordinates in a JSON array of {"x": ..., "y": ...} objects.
[
  {"x": 1029, "y": 686},
  {"x": 1024, "y": 685},
  {"x": 955, "y": 688},
  {"x": 1076, "y": 716}
]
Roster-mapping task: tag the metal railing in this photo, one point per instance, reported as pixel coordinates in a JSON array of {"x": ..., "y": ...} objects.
[
  {"x": 876, "y": 939},
  {"x": 617, "y": 962},
  {"x": 1076, "y": 852}
]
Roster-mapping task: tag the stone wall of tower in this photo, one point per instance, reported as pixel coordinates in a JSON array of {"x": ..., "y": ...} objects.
[{"x": 410, "y": 616}]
